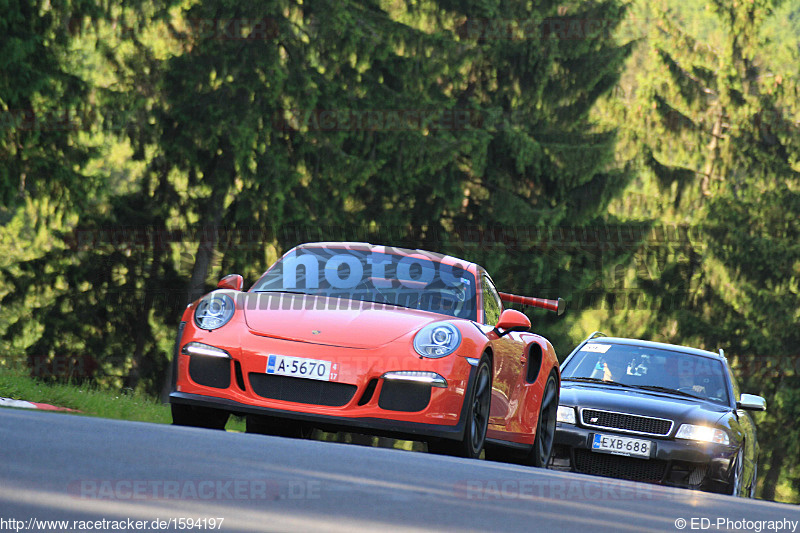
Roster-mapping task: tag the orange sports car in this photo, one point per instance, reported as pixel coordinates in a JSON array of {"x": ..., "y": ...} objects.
[{"x": 371, "y": 339}]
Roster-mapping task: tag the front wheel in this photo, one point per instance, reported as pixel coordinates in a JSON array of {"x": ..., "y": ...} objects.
[
  {"x": 738, "y": 471},
  {"x": 477, "y": 422},
  {"x": 200, "y": 417},
  {"x": 546, "y": 427}
]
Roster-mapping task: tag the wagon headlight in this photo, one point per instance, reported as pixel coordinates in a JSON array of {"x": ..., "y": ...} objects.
[
  {"x": 214, "y": 311},
  {"x": 437, "y": 340},
  {"x": 565, "y": 414},
  {"x": 702, "y": 434}
]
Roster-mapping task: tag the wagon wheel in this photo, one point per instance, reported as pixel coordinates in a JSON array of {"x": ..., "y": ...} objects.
[{"x": 738, "y": 472}]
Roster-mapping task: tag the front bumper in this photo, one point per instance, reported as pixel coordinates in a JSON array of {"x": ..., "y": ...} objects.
[
  {"x": 357, "y": 390},
  {"x": 677, "y": 463},
  {"x": 357, "y": 398},
  {"x": 373, "y": 426}
]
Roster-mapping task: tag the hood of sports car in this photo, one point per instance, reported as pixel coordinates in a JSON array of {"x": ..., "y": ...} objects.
[
  {"x": 638, "y": 402},
  {"x": 331, "y": 321}
]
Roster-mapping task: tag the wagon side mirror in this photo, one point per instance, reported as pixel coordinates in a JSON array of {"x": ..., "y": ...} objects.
[
  {"x": 231, "y": 281},
  {"x": 751, "y": 402},
  {"x": 512, "y": 320}
]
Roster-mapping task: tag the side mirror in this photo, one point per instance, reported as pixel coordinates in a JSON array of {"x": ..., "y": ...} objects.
[
  {"x": 512, "y": 320},
  {"x": 231, "y": 281},
  {"x": 751, "y": 402}
]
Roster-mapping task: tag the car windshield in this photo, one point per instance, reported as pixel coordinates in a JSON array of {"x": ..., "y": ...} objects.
[
  {"x": 362, "y": 274},
  {"x": 646, "y": 368}
]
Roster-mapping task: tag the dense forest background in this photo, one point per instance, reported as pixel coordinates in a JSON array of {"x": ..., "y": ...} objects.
[{"x": 640, "y": 159}]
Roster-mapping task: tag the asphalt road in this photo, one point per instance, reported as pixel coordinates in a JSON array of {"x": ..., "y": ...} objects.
[{"x": 86, "y": 470}]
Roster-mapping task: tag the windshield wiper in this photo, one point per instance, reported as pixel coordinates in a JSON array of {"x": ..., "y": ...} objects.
[
  {"x": 657, "y": 388},
  {"x": 654, "y": 388},
  {"x": 597, "y": 380}
]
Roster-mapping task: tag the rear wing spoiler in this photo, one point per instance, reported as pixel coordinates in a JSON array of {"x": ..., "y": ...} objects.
[{"x": 556, "y": 306}]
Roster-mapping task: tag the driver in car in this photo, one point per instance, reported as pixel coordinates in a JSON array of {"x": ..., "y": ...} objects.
[
  {"x": 687, "y": 381},
  {"x": 615, "y": 369}
]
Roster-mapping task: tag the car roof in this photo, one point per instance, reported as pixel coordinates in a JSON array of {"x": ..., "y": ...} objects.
[
  {"x": 656, "y": 345},
  {"x": 380, "y": 248}
]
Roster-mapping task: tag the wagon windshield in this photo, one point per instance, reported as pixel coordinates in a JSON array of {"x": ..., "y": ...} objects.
[
  {"x": 361, "y": 274},
  {"x": 647, "y": 368}
]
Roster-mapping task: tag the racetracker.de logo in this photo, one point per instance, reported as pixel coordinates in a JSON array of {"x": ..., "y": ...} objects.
[
  {"x": 565, "y": 490},
  {"x": 193, "y": 490}
]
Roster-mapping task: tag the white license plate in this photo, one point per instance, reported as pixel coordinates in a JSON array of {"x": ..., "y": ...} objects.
[
  {"x": 621, "y": 445},
  {"x": 299, "y": 367}
]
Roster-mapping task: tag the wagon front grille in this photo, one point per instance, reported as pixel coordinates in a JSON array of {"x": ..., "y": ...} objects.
[{"x": 640, "y": 425}]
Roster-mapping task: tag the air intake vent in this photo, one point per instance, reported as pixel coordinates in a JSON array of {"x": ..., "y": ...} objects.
[
  {"x": 210, "y": 371},
  {"x": 404, "y": 396},
  {"x": 299, "y": 390},
  {"x": 602, "y": 464}
]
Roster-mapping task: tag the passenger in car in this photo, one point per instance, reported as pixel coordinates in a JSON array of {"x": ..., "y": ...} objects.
[{"x": 611, "y": 369}]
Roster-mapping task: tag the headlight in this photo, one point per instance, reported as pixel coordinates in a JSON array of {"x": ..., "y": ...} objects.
[
  {"x": 565, "y": 414},
  {"x": 437, "y": 340},
  {"x": 428, "y": 378},
  {"x": 198, "y": 348},
  {"x": 702, "y": 434},
  {"x": 214, "y": 311}
]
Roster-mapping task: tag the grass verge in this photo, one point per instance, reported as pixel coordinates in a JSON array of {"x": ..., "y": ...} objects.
[
  {"x": 88, "y": 400},
  {"x": 91, "y": 401}
]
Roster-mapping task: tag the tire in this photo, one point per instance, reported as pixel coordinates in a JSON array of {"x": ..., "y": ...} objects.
[
  {"x": 278, "y": 427},
  {"x": 542, "y": 449},
  {"x": 479, "y": 403},
  {"x": 199, "y": 417},
  {"x": 738, "y": 469}
]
